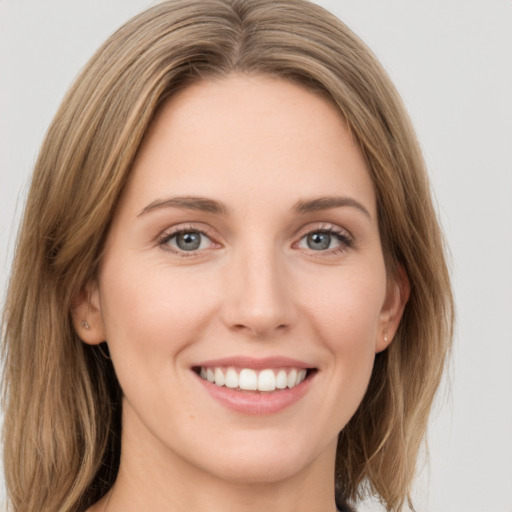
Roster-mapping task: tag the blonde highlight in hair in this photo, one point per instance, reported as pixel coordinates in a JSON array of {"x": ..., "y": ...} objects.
[{"x": 62, "y": 400}]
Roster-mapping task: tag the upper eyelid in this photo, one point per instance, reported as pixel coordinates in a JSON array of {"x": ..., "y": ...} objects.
[
  {"x": 323, "y": 226},
  {"x": 205, "y": 229},
  {"x": 180, "y": 228}
]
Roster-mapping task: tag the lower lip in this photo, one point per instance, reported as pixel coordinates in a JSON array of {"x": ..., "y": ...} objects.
[{"x": 257, "y": 403}]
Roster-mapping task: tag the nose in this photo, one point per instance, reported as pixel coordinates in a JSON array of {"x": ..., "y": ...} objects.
[{"x": 259, "y": 298}]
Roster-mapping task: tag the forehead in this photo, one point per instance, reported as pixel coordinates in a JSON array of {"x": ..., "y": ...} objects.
[{"x": 249, "y": 136}]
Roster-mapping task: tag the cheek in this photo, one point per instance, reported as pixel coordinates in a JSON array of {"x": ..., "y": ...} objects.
[
  {"x": 151, "y": 313},
  {"x": 346, "y": 306},
  {"x": 345, "y": 309}
]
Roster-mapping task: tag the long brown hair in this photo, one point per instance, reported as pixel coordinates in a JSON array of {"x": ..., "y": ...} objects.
[{"x": 62, "y": 400}]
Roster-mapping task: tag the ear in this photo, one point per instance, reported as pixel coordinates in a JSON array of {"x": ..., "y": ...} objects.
[
  {"x": 86, "y": 315},
  {"x": 397, "y": 295}
]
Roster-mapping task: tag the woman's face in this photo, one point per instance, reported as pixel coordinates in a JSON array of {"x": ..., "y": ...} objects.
[{"x": 245, "y": 250}]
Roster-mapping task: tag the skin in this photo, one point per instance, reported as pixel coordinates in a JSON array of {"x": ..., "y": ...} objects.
[{"x": 255, "y": 287}]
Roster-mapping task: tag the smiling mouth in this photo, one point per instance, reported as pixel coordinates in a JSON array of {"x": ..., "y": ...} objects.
[{"x": 248, "y": 379}]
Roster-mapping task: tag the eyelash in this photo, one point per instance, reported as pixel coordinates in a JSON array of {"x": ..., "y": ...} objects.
[
  {"x": 345, "y": 239},
  {"x": 169, "y": 235}
]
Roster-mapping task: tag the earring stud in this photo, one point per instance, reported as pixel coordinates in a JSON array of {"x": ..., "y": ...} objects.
[
  {"x": 85, "y": 325},
  {"x": 385, "y": 337}
]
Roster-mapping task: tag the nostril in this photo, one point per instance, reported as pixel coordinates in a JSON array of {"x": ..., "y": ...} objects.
[{"x": 260, "y": 328}]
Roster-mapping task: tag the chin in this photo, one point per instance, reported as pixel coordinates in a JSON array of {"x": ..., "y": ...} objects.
[
  {"x": 261, "y": 470},
  {"x": 268, "y": 461}
]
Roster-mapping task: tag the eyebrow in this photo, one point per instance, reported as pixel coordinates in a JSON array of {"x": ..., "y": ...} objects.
[
  {"x": 203, "y": 204},
  {"x": 326, "y": 203},
  {"x": 200, "y": 204}
]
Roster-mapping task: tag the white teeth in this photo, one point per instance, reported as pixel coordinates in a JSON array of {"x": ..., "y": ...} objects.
[
  {"x": 301, "y": 375},
  {"x": 219, "y": 377},
  {"x": 281, "y": 379},
  {"x": 251, "y": 380},
  {"x": 292, "y": 378},
  {"x": 266, "y": 381},
  {"x": 248, "y": 380},
  {"x": 231, "y": 378}
]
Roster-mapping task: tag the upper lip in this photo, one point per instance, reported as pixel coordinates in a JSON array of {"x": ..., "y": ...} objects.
[{"x": 255, "y": 363}]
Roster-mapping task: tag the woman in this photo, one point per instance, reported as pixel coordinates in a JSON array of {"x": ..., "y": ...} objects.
[{"x": 238, "y": 289}]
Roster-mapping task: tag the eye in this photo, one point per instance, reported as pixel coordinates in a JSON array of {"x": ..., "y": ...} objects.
[
  {"x": 319, "y": 241},
  {"x": 325, "y": 240},
  {"x": 186, "y": 241}
]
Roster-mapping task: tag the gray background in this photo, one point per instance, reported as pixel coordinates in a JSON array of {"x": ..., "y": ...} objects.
[{"x": 452, "y": 62}]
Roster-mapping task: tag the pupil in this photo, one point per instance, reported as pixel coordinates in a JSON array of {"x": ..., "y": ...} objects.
[
  {"x": 319, "y": 241},
  {"x": 188, "y": 241}
]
